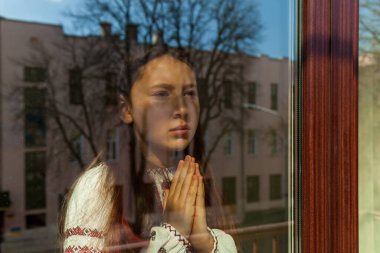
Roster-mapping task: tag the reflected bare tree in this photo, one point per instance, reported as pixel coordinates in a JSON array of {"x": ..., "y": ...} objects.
[
  {"x": 77, "y": 83},
  {"x": 216, "y": 35},
  {"x": 369, "y": 31}
]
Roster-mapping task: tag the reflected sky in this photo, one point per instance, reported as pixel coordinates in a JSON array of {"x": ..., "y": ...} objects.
[{"x": 274, "y": 17}]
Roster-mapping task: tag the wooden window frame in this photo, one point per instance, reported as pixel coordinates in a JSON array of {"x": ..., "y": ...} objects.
[{"x": 328, "y": 130}]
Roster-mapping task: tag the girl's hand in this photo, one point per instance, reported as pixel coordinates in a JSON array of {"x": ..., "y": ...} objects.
[
  {"x": 179, "y": 205},
  {"x": 200, "y": 238}
]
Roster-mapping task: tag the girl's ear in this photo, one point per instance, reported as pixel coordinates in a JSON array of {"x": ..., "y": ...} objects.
[{"x": 125, "y": 110}]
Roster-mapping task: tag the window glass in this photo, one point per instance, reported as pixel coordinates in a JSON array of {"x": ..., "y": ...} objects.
[
  {"x": 228, "y": 143},
  {"x": 229, "y": 190},
  {"x": 252, "y": 93},
  {"x": 273, "y": 141},
  {"x": 75, "y": 86},
  {"x": 228, "y": 100},
  {"x": 34, "y": 74},
  {"x": 111, "y": 145},
  {"x": 251, "y": 141},
  {"x": 35, "y": 221},
  {"x": 111, "y": 89},
  {"x": 275, "y": 187},
  {"x": 34, "y": 117},
  {"x": 76, "y": 146},
  {"x": 35, "y": 180},
  {"x": 274, "y": 96},
  {"x": 253, "y": 188},
  {"x": 138, "y": 124}
]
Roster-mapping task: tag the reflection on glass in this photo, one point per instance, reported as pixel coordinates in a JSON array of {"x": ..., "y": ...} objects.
[
  {"x": 150, "y": 125},
  {"x": 369, "y": 139}
]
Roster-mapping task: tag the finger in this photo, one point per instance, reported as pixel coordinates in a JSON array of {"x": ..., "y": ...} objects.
[
  {"x": 192, "y": 193},
  {"x": 187, "y": 182},
  {"x": 191, "y": 198},
  {"x": 200, "y": 220},
  {"x": 176, "y": 176},
  {"x": 181, "y": 178},
  {"x": 200, "y": 192},
  {"x": 200, "y": 200},
  {"x": 197, "y": 171},
  {"x": 176, "y": 182}
]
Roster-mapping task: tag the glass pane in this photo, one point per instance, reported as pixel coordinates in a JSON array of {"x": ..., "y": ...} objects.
[
  {"x": 160, "y": 125},
  {"x": 369, "y": 118}
]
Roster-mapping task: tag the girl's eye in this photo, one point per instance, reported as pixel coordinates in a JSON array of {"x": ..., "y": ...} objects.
[
  {"x": 190, "y": 93},
  {"x": 161, "y": 94}
]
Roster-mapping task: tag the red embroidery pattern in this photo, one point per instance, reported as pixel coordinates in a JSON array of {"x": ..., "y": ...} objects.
[
  {"x": 83, "y": 231},
  {"x": 79, "y": 249}
]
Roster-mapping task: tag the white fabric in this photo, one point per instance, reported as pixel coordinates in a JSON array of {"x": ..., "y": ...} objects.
[
  {"x": 89, "y": 207},
  {"x": 163, "y": 239}
]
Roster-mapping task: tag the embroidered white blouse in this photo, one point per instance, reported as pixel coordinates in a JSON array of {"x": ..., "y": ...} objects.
[{"x": 89, "y": 208}]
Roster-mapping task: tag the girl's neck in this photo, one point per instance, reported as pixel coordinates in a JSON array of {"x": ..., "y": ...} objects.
[{"x": 162, "y": 161}]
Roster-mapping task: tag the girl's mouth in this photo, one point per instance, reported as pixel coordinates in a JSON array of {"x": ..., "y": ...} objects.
[{"x": 180, "y": 131}]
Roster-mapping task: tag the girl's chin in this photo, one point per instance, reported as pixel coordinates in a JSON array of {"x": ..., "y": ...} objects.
[{"x": 178, "y": 145}]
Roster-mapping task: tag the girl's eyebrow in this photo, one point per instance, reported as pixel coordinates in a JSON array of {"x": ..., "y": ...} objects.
[
  {"x": 171, "y": 86},
  {"x": 163, "y": 85}
]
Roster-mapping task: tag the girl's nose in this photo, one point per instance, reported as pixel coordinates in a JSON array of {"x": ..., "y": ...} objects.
[{"x": 180, "y": 108}]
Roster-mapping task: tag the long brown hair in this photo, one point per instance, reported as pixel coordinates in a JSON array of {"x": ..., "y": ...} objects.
[{"x": 120, "y": 230}]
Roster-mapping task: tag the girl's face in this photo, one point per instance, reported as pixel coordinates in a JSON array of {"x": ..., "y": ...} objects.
[{"x": 164, "y": 105}]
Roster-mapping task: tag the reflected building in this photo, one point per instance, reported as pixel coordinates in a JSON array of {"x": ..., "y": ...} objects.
[{"x": 250, "y": 162}]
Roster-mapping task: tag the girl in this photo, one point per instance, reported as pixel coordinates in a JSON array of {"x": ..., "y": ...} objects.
[{"x": 160, "y": 105}]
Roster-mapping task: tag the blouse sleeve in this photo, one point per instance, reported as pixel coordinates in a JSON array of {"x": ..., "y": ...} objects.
[
  {"x": 223, "y": 242},
  {"x": 87, "y": 213},
  {"x": 165, "y": 239}
]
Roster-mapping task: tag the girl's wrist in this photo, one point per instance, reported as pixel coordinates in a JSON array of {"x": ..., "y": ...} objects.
[
  {"x": 203, "y": 243},
  {"x": 208, "y": 246}
]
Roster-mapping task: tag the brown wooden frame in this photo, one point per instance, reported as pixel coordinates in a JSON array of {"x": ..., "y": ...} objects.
[{"x": 329, "y": 135}]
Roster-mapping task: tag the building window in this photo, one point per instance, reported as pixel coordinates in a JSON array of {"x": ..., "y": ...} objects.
[
  {"x": 34, "y": 74},
  {"x": 75, "y": 86},
  {"x": 274, "y": 96},
  {"x": 203, "y": 92},
  {"x": 77, "y": 143},
  {"x": 253, "y": 188},
  {"x": 227, "y": 95},
  {"x": 35, "y": 174},
  {"x": 229, "y": 190},
  {"x": 35, "y": 220},
  {"x": 252, "y": 93},
  {"x": 251, "y": 141},
  {"x": 227, "y": 147},
  {"x": 275, "y": 187},
  {"x": 273, "y": 141},
  {"x": 111, "y": 154},
  {"x": 34, "y": 117},
  {"x": 111, "y": 89}
]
